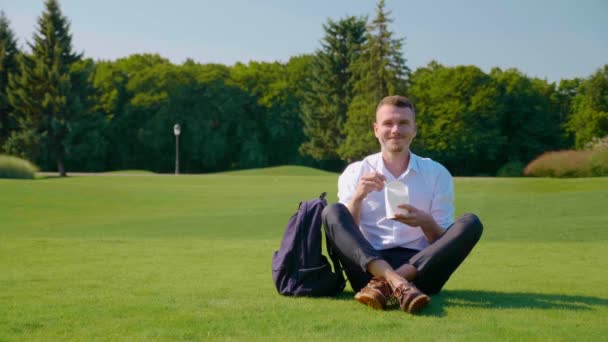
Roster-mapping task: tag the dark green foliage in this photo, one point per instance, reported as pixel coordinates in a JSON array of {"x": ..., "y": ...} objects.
[
  {"x": 64, "y": 112},
  {"x": 530, "y": 121},
  {"x": 589, "y": 118},
  {"x": 231, "y": 117},
  {"x": 8, "y": 66},
  {"x": 43, "y": 94},
  {"x": 381, "y": 71},
  {"x": 562, "y": 99},
  {"x": 475, "y": 123},
  {"x": 331, "y": 89},
  {"x": 86, "y": 143},
  {"x": 275, "y": 130},
  {"x": 511, "y": 169},
  {"x": 141, "y": 97},
  {"x": 212, "y": 113},
  {"x": 458, "y": 118}
]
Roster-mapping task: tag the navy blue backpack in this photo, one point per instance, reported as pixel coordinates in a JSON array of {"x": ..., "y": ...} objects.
[{"x": 299, "y": 268}]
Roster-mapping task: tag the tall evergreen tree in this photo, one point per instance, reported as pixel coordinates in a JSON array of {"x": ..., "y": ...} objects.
[
  {"x": 42, "y": 94},
  {"x": 381, "y": 71},
  {"x": 331, "y": 89},
  {"x": 8, "y": 66}
]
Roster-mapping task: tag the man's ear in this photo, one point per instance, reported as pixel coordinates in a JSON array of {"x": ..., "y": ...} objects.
[{"x": 376, "y": 129}]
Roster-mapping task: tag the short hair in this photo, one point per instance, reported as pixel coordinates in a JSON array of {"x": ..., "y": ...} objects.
[{"x": 397, "y": 101}]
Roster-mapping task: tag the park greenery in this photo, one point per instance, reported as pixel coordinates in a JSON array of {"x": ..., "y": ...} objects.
[
  {"x": 155, "y": 257},
  {"x": 65, "y": 111},
  {"x": 13, "y": 167}
]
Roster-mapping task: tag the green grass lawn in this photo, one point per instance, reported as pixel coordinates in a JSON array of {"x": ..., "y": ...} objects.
[{"x": 188, "y": 258}]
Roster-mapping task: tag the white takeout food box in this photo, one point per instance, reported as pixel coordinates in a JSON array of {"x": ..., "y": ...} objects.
[{"x": 396, "y": 193}]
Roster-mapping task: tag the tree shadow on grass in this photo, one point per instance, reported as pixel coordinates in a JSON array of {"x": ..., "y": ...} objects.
[
  {"x": 500, "y": 300},
  {"x": 509, "y": 300}
]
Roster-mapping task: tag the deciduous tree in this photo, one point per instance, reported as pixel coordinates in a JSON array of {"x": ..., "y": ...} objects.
[
  {"x": 458, "y": 117},
  {"x": 530, "y": 119},
  {"x": 589, "y": 118}
]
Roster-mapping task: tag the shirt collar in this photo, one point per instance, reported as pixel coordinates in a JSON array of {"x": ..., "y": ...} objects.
[{"x": 412, "y": 166}]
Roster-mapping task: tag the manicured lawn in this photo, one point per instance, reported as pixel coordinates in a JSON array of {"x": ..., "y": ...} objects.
[{"x": 188, "y": 258}]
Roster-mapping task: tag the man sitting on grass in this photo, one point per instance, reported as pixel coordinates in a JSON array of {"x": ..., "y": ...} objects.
[{"x": 413, "y": 254}]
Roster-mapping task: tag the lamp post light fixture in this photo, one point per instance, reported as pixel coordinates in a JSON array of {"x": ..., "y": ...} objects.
[{"x": 177, "y": 130}]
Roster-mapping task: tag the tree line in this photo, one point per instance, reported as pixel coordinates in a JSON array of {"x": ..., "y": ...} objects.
[{"x": 68, "y": 112}]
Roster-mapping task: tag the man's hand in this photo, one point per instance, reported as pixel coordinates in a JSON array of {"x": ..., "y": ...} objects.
[
  {"x": 420, "y": 218},
  {"x": 369, "y": 182},
  {"x": 415, "y": 217}
]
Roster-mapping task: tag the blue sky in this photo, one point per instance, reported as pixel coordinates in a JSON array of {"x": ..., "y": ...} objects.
[{"x": 543, "y": 38}]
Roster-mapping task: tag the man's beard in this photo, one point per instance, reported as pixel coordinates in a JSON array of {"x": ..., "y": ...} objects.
[
  {"x": 394, "y": 146},
  {"x": 397, "y": 148}
]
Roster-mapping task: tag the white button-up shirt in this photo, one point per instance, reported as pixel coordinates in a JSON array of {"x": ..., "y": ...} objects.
[{"x": 430, "y": 188}]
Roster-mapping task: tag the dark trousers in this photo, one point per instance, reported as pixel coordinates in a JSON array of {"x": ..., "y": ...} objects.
[{"x": 435, "y": 263}]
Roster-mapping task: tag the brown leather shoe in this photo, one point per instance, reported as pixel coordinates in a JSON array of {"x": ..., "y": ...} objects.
[
  {"x": 375, "y": 293},
  {"x": 410, "y": 299}
]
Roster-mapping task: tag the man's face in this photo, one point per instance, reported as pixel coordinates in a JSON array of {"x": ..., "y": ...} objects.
[{"x": 395, "y": 128}]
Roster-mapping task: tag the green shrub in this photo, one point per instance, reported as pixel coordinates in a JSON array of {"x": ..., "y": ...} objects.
[
  {"x": 561, "y": 164},
  {"x": 599, "y": 162},
  {"x": 511, "y": 169},
  {"x": 13, "y": 167}
]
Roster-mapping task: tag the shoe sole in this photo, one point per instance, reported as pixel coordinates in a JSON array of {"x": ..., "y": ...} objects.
[
  {"x": 369, "y": 301},
  {"x": 418, "y": 303}
]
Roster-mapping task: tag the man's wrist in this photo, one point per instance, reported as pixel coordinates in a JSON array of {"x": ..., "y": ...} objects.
[
  {"x": 432, "y": 230},
  {"x": 357, "y": 200}
]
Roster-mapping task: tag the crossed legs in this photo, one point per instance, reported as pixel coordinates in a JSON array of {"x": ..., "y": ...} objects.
[{"x": 429, "y": 269}]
